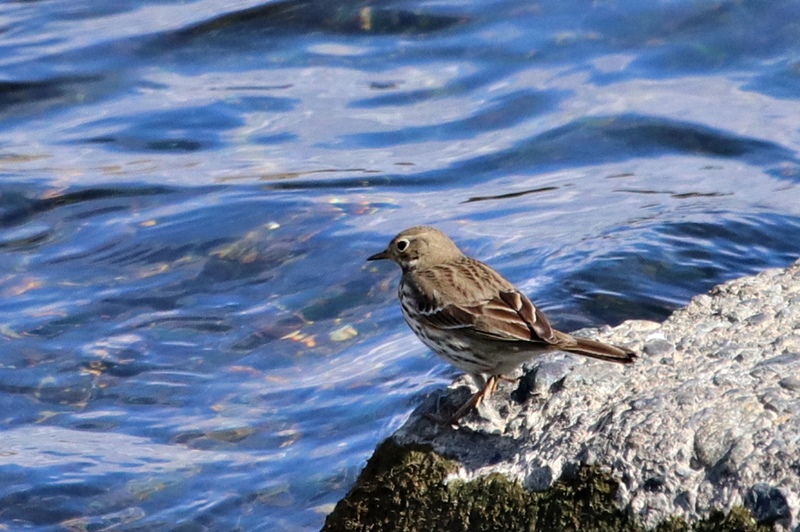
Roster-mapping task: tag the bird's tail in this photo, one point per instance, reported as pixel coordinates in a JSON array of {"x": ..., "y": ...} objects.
[{"x": 595, "y": 349}]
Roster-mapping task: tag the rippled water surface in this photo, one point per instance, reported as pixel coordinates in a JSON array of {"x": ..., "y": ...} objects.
[{"x": 191, "y": 339}]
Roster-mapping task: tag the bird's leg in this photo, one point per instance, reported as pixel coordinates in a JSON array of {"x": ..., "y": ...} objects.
[
  {"x": 492, "y": 384},
  {"x": 484, "y": 393},
  {"x": 475, "y": 401}
]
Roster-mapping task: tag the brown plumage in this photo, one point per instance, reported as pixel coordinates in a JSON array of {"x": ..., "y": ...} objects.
[{"x": 471, "y": 316}]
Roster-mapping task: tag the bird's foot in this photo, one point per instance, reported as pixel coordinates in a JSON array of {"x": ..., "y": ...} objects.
[
  {"x": 473, "y": 402},
  {"x": 438, "y": 420}
]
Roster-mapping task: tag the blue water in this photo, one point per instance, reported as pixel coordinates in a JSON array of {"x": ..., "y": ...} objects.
[{"x": 191, "y": 339}]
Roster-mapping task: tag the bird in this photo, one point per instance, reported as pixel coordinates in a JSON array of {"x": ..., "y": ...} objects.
[{"x": 473, "y": 317}]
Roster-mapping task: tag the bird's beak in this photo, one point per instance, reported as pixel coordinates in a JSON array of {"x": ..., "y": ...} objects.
[{"x": 380, "y": 256}]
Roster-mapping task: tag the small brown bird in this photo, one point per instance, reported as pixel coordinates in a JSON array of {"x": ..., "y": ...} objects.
[{"x": 471, "y": 316}]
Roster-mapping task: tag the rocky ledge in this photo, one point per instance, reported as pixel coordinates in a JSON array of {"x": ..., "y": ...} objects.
[{"x": 701, "y": 433}]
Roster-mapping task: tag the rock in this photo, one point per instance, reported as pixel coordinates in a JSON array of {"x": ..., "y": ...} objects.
[{"x": 702, "y": 432}]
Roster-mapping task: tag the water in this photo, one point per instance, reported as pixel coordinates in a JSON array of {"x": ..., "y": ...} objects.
[{"x": 188, "y": 190}]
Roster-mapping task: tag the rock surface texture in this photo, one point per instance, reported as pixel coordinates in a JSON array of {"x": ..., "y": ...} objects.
[{"x": 707, "y": 421}]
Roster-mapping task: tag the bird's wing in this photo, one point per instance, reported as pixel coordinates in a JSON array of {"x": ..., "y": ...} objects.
[{"x": 488, "y": 306}]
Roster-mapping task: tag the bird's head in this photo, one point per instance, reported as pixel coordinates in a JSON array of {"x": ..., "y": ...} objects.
[{"x": 419, "y": 248}]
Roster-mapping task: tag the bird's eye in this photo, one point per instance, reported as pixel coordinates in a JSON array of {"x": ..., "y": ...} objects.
[{"x": 402, "y": 245}]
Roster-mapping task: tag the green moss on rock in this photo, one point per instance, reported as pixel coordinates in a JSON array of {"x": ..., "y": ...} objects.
[
  {"x": 403, "y": 488},
  {"x": 585, "y": 501},
  {"x": 738, "y": 520}
]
